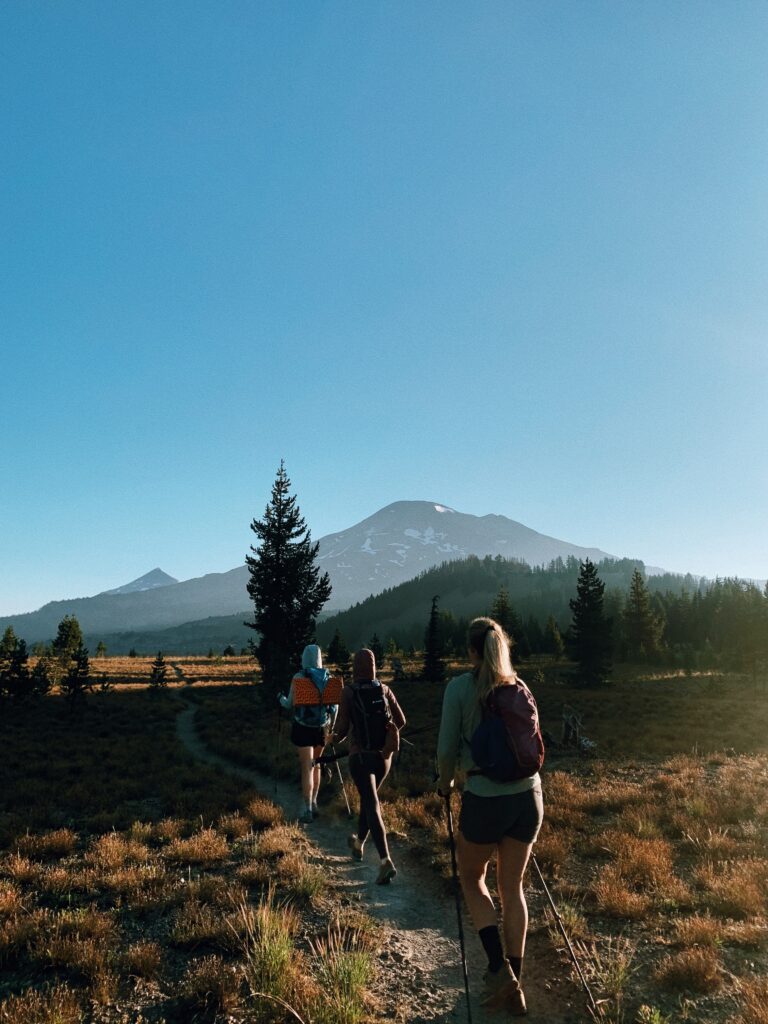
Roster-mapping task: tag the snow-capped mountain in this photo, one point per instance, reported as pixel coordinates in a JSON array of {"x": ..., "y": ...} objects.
[
  {"x": 391, "y": 546},
  {"x": 405, "y": 538},
  {"x": 149, "y": 581}
]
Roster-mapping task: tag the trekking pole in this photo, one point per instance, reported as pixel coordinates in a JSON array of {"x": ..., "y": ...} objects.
[
  {"x": 341, "y": 780},
  {"x": 279, "y": 745},
  {"x": 457, "y": 894},
  {"x": 593, "y": 1007}
]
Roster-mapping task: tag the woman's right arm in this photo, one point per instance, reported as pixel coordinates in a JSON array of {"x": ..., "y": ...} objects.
[
  {"x": 341, "y": 725},
  {"x": 287, "y": 702}
]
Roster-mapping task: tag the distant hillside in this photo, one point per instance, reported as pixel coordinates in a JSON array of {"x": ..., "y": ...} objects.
[
  {"x": 197, "y": 637},
  {"x": 395, "y": 544},
  {"x": 468, "y": 587},
  {"x": 171, "y": 605}
]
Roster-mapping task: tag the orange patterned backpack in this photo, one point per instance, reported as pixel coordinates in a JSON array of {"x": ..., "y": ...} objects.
[{"x": 305, "y": 693}]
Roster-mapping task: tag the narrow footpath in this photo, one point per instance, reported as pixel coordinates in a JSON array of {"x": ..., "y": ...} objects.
[{"x": 421, "y": 961}]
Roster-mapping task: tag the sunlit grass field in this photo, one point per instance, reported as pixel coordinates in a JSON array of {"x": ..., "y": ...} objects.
[
  {"x": 138, "y": 885},
  {"x": 656, "y": 847}
]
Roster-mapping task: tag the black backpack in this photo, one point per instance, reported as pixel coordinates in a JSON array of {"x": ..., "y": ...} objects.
[{"x": 370, "y": 713}]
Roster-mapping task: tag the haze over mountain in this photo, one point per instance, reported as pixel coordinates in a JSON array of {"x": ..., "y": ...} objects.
[{"x": 391, "y": 546}]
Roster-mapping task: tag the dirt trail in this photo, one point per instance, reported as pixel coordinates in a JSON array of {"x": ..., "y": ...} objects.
[{"x": 421, "y": 954}]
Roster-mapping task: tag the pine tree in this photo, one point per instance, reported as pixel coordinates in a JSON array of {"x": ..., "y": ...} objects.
[
  {"x": 69, "y": 639},
  {"x": 158, "y": 677},
  {"x": 377, "y": 649},
  {"x": 285, "y": 586},
  {"x": 434, "y": 666},
  {"x": 339, "y": 654},
  {"x": 506, "y": 616},
  {"x": 15, "y": 679},
  {"x": 553, "y": 640},
  {"x": 590, "y": 630},
  {"x": 76, "y": 682},
  {"x": 641, "y": 626},
  {"x": 101, "y": 649}
]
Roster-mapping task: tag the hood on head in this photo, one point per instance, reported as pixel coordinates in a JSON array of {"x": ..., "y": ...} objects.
[
  {"x": 312, "y": 657},
  {"x": 364, "y": 665}
]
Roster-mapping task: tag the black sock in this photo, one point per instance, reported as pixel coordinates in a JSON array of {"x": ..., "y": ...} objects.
[
  {"x": 491, "y": 941},
  {"x": 516, "y": 963}
]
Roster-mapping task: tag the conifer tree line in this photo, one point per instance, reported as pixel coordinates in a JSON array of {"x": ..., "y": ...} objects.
[
  {"x": 63, "y": 664},
  {"x": 590, "y": 613}
]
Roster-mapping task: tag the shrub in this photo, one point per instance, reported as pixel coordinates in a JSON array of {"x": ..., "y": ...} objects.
[
  {"x": 615, "y": 898},
  {"x": 57, "y": 1005},
  {"x": 211, "y": 987},
  {"x": 48, "y": 845},
  {"x": 692, "y": 970},
  {"x": 204, "y": 847},
  {"x": 143, "y": 959}
]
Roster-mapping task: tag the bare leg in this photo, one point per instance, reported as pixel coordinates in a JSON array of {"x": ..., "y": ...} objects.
[
  {"x": 317, "y": 772},
  {"x": 473, "y": 861},
  {"x": 512, "y": 862},
  {"x": 307, "y": 773}
]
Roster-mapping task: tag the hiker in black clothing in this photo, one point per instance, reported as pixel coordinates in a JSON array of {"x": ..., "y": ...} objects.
[
  {"x": 500, "y": 817},
  {"x": 309, "y": 729},
  {"x": 372, "y": 719}
]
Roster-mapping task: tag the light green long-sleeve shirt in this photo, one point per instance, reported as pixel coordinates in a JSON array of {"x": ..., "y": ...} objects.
[{"x": 461, "y": 716}]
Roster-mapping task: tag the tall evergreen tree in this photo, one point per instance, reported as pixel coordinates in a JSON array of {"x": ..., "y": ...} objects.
[
  {"x": 553, "y": 641},
  {"x": 377, "y": 649},
  {"x": 506, "y": 616},
  {"x": 591, "y": 632},
  {"x": 69, "y": 638},
  {"x": 285, "y": 586},
  {"x": 15, "y": 679},
  {"x": 77, "y": 681},
  {"x": 434, "y": 666},
  {"x": 339, "y": 654},
  {"x": 641, "y": 626}
]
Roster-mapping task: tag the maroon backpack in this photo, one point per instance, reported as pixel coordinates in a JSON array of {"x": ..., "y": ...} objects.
[{"x": 507, "y": 745}]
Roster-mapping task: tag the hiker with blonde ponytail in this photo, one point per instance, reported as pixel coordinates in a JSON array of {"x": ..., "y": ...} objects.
[{"x": 489, "y": 730}]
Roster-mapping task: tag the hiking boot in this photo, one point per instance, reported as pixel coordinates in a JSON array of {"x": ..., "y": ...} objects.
[
  {"x": 315, "y": 811},
  {"x": 355, "y": 846},
  {"x": 387, "y": 872},
  {"x": 305, "y": 817},
  {"x": 503, "y": 992}
]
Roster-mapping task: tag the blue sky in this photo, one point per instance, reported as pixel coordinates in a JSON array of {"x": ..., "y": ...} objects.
[{"x": 511, "y": 257}]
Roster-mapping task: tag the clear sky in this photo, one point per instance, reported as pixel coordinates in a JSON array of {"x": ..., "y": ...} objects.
[{"x": 511, "y": 257}]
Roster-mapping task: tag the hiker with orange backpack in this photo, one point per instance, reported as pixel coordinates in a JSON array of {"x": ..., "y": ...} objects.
[
  {"x": 490, "y": 730},
  {"x": 370, "y": 717},
  {"x": 312, "y": 698}
]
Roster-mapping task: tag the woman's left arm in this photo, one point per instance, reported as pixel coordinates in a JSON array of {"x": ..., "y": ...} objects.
[{"x": 448, "y": 740}]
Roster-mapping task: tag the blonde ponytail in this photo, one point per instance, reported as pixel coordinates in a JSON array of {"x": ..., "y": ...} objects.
[{"x": 489, "y": 641}]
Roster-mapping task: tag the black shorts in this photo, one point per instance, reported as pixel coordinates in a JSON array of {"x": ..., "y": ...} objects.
[
  {"x": 488, "y": 819},
  {"x": 307, "y": 736}
]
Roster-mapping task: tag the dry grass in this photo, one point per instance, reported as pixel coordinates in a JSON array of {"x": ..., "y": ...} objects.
[
  {"x": 143, "y": 959},
  {"x": 263, "y": 813},
  {"x": 698, "y": 930},
  {"x": 211, "y": 987},
  {"x": 49, "y": 845},
  {"x": 690, "y": 970},
  {"x": 615, "y": 897},
  {"x": 55, "y": 1005},
  {"x": 204, "y": 847},
  {"x": 753, "y": 1002}
]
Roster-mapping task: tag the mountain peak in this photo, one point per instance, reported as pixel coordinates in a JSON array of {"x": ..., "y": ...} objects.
[{"x": 149, "y": 581}]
